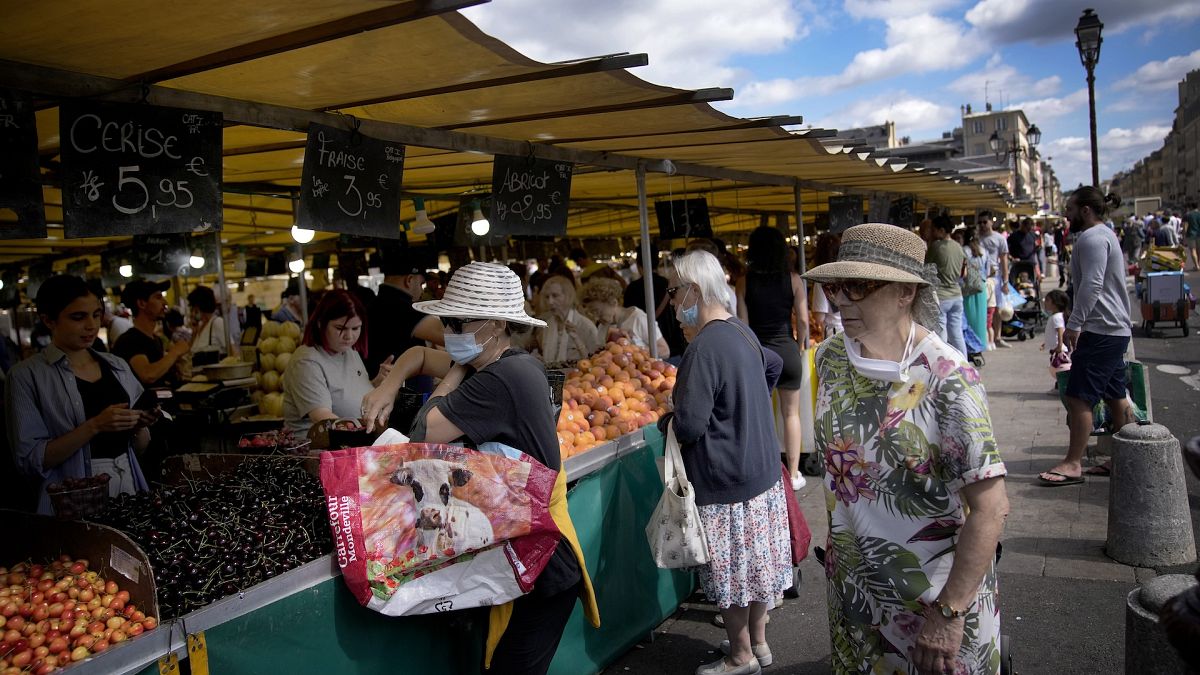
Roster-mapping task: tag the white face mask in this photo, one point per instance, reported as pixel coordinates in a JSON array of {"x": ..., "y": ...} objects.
[{"x": 881, "y": 369}]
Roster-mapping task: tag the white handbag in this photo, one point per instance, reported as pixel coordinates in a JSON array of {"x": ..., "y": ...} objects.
[{"x": 675, "y": 533}]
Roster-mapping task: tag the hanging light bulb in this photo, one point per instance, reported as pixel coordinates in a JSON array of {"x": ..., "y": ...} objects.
[
  {"x": 1, "y": 284},
  {"x": 196, "y": 261},
  {"x": 422, "y": 225},
  {"x": 479, "y": 225},
  {"x": 125, "y": 270},
  {"x": 301, "y": 235},
  {"x": 296, "y": 266}
]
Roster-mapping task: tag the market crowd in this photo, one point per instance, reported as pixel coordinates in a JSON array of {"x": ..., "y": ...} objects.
[{"x": 885, "y": 324}]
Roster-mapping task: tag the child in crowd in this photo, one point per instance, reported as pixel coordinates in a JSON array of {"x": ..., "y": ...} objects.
[{"x": 1058, "y": 306}]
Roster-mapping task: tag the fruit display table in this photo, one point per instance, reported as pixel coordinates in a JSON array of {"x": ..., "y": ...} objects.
[{"x": 306, "y": 620}]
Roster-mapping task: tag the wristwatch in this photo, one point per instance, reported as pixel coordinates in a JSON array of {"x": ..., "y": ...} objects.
[{"x": 948, "y": 611}]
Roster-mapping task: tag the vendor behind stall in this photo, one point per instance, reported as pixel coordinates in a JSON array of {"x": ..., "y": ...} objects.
[
  {"x": 394, "y": 325},
  {"x": 70, "y": 408},
  {"x": 327, "y": 379},
  {"x": 496, "y": 396},
  {"x": 209, "y": 344},
  {"x": 601, "y": 300},
  {"x": 140, "y": 346}
]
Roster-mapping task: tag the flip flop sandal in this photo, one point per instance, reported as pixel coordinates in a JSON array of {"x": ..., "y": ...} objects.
[
  {"x": 1099, "y": 470},
  {"x": 1066, "y": 480}
]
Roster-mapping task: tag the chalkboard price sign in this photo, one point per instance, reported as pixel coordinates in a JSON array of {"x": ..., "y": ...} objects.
[
  {"x": 901, "y": 212},
  {"x": 20, "y": 189},
  {"x": 139, "y": 169},
  {"x": 351, "y": 183},
  {"x": 159, "y": 255},
  {"x": 880, "y": 207},
  {"x": 844, "y": 212},
  {"x": 530, "y": 196}
]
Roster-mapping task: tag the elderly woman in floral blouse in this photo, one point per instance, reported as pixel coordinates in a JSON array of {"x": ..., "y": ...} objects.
[{"x": 914, "y": 481}]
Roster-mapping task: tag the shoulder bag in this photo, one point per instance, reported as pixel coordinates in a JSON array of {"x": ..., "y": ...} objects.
[{"x": 675, "y": 533}]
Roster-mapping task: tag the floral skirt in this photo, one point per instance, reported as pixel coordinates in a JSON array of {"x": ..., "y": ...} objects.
[{"x": 750, "y": 554}]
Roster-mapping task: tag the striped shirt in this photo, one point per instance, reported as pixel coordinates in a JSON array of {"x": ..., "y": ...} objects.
[{"x": 43, "y": 403}]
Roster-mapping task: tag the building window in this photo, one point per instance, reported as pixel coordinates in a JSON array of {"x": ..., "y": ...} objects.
[
  {"x": 1001, "y": 123},
  {"x": 977, "y": 127},
  {"x": 977, "y": 149}
]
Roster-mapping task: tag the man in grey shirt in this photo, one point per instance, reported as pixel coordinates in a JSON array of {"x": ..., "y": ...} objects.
[
  {"x": 1097, "y": 332},
  {"x": 996, "y": 247}
]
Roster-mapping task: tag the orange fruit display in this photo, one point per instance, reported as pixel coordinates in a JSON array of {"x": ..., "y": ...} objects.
[{"x": 616, "y": 391}]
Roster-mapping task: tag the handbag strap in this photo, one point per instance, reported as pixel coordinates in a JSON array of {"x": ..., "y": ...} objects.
[
  {"x": 673, "y": 470},
  {"x": 753, "y": 343}
]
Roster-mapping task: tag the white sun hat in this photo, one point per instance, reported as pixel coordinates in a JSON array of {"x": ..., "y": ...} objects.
[{"x": 482, "y": 291}]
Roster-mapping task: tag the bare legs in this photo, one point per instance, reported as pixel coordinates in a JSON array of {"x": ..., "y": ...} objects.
[
  {"x": 745, "y": 626},
  {"x": 789, "y": 404},
  {"x": 1079, "y": 419}
]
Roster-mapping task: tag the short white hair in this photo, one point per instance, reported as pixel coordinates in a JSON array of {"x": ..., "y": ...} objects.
[{"x": 702, "y": 269}]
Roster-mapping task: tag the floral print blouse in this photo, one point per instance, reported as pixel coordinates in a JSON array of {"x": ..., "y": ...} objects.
[{"x": 896, "y": 456}]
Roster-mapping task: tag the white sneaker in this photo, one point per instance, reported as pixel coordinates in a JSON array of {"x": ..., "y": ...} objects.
[
  {"x": 1003, "y": 345},
  {"x": 719, "y": 667},
  {"x": 991, "y": 347},
  {"x": 761, "y": 652},
  {"x": 798, "y": 481}
]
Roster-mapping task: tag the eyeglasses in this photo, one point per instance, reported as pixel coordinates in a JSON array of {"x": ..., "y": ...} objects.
[
  {"x": 456, "y": 324},
  {"x": 855, "y": 289},
  {"x": 671, "y": 291}
]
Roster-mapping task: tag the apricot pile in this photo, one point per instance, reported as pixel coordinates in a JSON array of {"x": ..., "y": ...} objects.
[{"x": 619, "y": 389}]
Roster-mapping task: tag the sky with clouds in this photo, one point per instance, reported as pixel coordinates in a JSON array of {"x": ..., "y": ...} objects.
[{"x": 846, "y": 63}]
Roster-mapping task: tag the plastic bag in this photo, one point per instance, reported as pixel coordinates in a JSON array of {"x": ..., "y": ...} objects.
[{"x": 421, "y": 528}]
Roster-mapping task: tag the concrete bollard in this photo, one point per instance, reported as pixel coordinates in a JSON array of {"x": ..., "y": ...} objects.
[
  {"x": 1149, "y": 523},
  {"x": 1147, "y": 650}
]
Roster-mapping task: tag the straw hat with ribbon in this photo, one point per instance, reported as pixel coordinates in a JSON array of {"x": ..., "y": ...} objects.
[
  {"x": 482, "y": 291},
  {"x": 883, "y": 252}
]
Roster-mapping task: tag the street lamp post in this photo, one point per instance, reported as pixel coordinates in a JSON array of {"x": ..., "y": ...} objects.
[
  {"x": 1088, "y": 40},
  {"x": 1002, "y": 147}
]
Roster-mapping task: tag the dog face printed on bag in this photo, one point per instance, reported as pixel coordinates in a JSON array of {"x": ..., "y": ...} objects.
[{"x": 447, "y": 525}]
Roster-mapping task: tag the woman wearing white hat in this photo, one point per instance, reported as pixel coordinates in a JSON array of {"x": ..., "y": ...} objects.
[
  {"x": 914, "y": 480},
  {"x": 492, "y": 393}
]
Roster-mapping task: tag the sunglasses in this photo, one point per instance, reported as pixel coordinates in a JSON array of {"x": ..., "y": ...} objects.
[
  {"x": 456, "y": 324},
  {"x": 854, "y": 289}
]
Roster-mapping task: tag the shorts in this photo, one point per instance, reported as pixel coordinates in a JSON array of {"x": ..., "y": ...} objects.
[
  {"x": 991, "y": 314},
  {"x": 1098, "y": 368},
  {"x": 788, "y": 349}
]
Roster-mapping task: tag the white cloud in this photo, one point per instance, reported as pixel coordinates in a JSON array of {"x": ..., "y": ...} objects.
[
  {"x": 914, "y": 116},
  {"x": 1161, "y": 75},
  {"x": 1049, "y": 108},
  {"x": 913, "y": 44},
  {"x": 1119, "y": 149},
  {"x": 890, "y": 9},
  {"x": 1046, "y": 20},
  {"x": 998, "y": 82},
  {"x": 689, "y": 42}
]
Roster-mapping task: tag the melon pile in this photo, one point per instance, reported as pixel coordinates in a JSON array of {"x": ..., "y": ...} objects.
[
  {"x": 275, "y": 348},
  {"x": 616, "y": 391}
]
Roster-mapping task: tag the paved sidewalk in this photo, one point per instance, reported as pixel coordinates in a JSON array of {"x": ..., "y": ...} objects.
[{"x": 1062, "y": 599}]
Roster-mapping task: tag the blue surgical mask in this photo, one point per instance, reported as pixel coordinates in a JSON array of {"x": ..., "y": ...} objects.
[
  {"x": 462, "y": 347},
  {"x": 689, "y": 316}
]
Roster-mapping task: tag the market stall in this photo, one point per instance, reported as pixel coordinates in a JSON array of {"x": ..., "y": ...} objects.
[{"x": 308, "y": 617}]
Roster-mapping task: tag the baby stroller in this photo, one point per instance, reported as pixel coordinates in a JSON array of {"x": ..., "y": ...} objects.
[{"x": 1026, "y": 298}]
